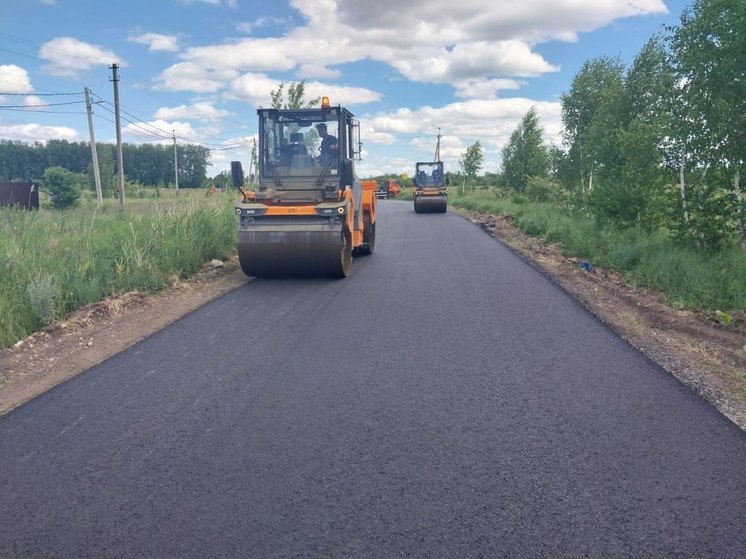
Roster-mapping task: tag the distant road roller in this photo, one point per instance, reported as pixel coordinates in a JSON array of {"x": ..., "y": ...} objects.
[
  {"x": 430, "y": 194},
  {"x": 310, "y": 213}
]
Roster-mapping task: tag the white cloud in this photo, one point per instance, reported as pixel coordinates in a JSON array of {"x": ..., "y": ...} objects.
[
  {"x": 422, "y": 40},
  {"x": 187, "y": 76},
  {"x": 253, "y": 88},
  {"x": 248, "y": 27},
  {"x": 157, "y": 41},
  {"x": 257, "y": 88},
  {"x": 484, "y": 88},
  {"x": 317, "y": 71},
  {"x": 270, "y": 54},
  {"x": 227, "y": 3},
  {"x": 14, "y": 79},
  {"x": 474, "y": 60},
  {"x": 199, "y": 111},
  {"x": 32, "y": 101},
  {"x": 490, "y": 121},
  {"x": 69, "y": 57},
  {"x": 531, "y": 20},
  {"x": 31, "y": 132}
]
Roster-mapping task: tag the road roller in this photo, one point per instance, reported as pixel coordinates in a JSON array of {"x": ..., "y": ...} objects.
[
  {"x": 310, "y": 214},
  {"x": 430, "y": 194}
]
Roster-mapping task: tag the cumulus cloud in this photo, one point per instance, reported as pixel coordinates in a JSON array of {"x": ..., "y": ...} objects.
[
  {"x": 34, "y": 102},
  {"x": 200, "y": 111},
  {"x": 14, "y": 79},
  {"x": 157, "y": 41},
  {"x": 31, "y": 132},
  {"x": 532, "y": 20},
  {"x": 70, "y": 57},
  {"x": 489, "y": 40},
  {"x": 491, "y": 121},
  {"x": 188, "y": 76},
  {"x": 227, "y": 3},
  {"x": 256, "y": 89},
  {"x": 248, "y": 27},
  {"x": 484, "y": 88},
  {"x": 474, "y": 60}
]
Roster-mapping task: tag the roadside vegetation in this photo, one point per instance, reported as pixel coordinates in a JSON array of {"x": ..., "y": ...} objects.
[
  {"x": 688, "y": 276},
  {"x": 647, "y": 175},
  {"x": 53, "y": 262}
]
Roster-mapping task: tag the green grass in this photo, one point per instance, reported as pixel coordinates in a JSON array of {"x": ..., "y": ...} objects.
[
  {"x": 687, "y": 276},
  {"x": 52, "y": 263}
]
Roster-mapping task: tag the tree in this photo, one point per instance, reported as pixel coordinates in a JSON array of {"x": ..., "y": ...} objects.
[
  {"x": 63, "y": 187},
  {"x": 296, "y": 97},
  {"x": 525, "y": 156},
  {"x": 470, "y": 162},
  {"x": 709, "y": 48},
  {"x": 193, "y": 161},
  {"x": 590, "y": 115},
  {"x": 645, "y": 172}
]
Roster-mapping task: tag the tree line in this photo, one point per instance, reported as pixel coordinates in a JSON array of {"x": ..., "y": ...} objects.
[
  {"x": 145, "y": 164},
  {"x": 658, "y": 144}
]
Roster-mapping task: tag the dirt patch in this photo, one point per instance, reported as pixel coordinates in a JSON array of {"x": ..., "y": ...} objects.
[
  {"x": 101, "y": 330},
  {"x": 695, "y": 347}
]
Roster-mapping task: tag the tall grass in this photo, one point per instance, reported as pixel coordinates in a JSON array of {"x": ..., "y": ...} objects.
[
  {"x": 52, "y": 263},
  {"x": 689, "y": 277}
]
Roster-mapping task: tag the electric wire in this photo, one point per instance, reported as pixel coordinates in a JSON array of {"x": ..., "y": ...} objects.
[{"x": 44, "y": 105}]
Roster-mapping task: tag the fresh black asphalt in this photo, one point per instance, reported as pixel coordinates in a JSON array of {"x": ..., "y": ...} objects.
[{"x": 445, "y": 400}]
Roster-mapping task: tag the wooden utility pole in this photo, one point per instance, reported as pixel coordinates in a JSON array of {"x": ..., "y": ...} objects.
[
  {"x": 252, "y": 163},
  {"x": 176, "y": 164},
  {"x": 120, "y": 156},
  {"x": 94, "y": 156}
]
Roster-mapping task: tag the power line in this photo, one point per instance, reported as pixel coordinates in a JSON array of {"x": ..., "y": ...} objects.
[
  {"x": 104, "y": 118},
  {"x": 39, "y": 94},
  {"x": 162, "y": 131},
  {"x": 37, "y": 45},
  {"x": 47, "y": 112},
  {"x": 154, "y": 134},
  {"x": 34, "y": 106}
]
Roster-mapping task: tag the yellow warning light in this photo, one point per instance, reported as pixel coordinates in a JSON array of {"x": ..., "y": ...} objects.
[{"x": 325, "y": 102}]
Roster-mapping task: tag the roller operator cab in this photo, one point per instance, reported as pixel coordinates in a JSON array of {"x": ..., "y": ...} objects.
[
  {"x": 430, "y": 194},
  {"x": 310, "y": 214}
]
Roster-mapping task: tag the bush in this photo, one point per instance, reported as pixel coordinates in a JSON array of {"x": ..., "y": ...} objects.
[
  {"x": 62, "y": 186},
  {"x": 42, "y": 295}
]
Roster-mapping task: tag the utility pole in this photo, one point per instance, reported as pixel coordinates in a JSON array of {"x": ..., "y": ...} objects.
[
  {"x": 120, "y": 156},
  {"x": 252, "y": 164},
  {"x": 437, "y": 149},
  {"x": 94, "y": 156},
  {"x": 176, "y": 164}
]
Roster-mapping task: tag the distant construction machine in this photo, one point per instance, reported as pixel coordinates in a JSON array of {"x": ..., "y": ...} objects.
[
  {"x": 430, "y": 194},
  {"x": 388, "y": 188},
  {"x": 310, "y": 213}
]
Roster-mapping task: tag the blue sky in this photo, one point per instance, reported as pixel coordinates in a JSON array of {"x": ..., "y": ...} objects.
[{"x": 200, "y": 68}]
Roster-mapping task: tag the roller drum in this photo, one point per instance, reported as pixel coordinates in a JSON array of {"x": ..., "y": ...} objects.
[
  {"x": 431, "y": 204},
  {"x": 269, "y": 250}
]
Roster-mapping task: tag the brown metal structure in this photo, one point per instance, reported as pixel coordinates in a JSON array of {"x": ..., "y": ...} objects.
[{"x": 23, "y": 194}]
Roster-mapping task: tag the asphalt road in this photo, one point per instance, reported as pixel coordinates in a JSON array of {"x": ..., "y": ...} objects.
[{"x": 445, "y": 400}]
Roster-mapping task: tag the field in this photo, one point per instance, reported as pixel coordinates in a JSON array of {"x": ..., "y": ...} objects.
[{"x": 52, "y": 263}]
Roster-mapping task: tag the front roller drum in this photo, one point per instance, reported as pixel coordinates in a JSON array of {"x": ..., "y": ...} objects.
[
  {"x": 430, "y": 204},
  {"x": 292, "y": 252}
]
